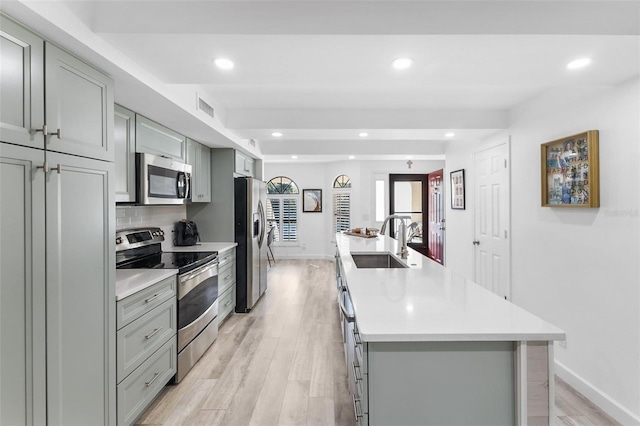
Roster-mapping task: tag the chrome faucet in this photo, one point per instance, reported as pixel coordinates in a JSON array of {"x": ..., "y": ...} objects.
[{"x": 402, "y": 240}]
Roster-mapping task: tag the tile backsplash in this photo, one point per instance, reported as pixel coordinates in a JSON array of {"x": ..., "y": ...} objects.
[{"x": 163, "y": 217}]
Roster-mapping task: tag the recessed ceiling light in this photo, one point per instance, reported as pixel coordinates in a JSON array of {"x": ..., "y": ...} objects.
[
  {"x": 402, "y": 63},
  {"x": 276, "y": 134},
  {"x": 351, "y": 157},
  {"x": 223, "y": 63},
  {"x": 295, "y": 157},
  {"x": 449, "y": 135},
  {"x": 363, "y": 134},
  {"x": 578, "y": 63}
]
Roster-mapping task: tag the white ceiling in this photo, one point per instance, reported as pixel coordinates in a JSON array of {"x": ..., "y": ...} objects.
[{"x": 320, "y": 71}]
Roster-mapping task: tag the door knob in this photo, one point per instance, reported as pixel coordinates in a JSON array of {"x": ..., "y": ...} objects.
[{"x": 476, "y": 243}]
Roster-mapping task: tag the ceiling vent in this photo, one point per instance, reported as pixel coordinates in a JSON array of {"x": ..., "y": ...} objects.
[{"x": 205, "y": 107}]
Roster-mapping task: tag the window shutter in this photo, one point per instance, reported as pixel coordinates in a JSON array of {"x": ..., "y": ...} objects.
[
  {"x": 341, "y": 211},
  {"x": 289, "y": 219}
]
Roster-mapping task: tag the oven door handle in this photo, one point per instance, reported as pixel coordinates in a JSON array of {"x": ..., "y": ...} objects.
[{"x": 198, "y": 271}]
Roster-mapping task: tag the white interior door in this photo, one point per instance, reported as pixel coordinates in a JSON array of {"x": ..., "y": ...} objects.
[{"x": 492, "y": 201}]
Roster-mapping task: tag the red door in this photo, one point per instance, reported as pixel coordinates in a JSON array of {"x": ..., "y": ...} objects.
[{"x": 436, "y": 217}]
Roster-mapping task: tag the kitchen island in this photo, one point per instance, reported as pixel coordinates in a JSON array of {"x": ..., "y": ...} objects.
[{"x": 426, "y": 346}]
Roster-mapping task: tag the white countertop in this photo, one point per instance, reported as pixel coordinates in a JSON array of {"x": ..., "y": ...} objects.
[
  {"x": 427, "y": 302},
  {"x": 203, "y": 247},
  {"x": 130, "y": 281}
]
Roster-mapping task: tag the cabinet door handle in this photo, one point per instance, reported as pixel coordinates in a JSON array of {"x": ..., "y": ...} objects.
[
  {"x": 152, "y": 298},
  {"x": 150, "y": 382},
  {"x": 45, "y": 132},
  {"x": 153, "y": 333}
]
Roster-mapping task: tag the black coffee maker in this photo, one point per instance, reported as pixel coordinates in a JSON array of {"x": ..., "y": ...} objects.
[{"x": 185, "y": 233}]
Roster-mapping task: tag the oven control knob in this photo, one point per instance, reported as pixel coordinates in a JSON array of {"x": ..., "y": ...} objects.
[
  {"x": 119, "y": 240},
  {"x": 161, "y": 232}
]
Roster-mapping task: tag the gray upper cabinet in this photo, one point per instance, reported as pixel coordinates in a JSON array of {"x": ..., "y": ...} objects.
[
  {"x": 199, "y": 157},
  {"x": 22, "y": 289},
  {"x": 80, "y": 302},
  {"x": 124, "y": 139},
  {"x": 79, "y": 106},
  {"x": 154, "y": 138},
  {"x": 21, "y": 85},
  {"x": 244, "y": 165}
]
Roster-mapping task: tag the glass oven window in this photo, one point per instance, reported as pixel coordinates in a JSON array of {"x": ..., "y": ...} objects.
[{"x": 197, "y": 301}]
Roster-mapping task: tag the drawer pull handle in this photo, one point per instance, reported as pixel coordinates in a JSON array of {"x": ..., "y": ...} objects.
[
  {"x": 228, "y": 303},
  {"x": 152, "y": 298},
  {"x": 227, "y": 277},
  {"x": 356, "y": 338},
  {"x": 153, "y": 333},
  {"x": 150, "y": 382},
  {"x": 356, "y": 372},
  {"x": 357, "y": 408}
]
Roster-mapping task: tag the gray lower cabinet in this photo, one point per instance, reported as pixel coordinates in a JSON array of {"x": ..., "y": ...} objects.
[
  {"x": 199, "y": 157},
  {"x": 22, "y": 287},
  {"x": 37, "y": 76},
  {"x": 57, "y": 286},
  {"x": 226, "y": 283},
  {"x": 146, "y": 347},
  {"x": 154, "y": 138},
  {"x": 124, "y": 140}
]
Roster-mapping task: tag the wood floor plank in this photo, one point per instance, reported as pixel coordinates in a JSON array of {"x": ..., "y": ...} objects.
[
  {"x": 295, "y": 404},
  {"x": 190, "y": 404},
  {"x": 234, "y": 374},
  {"x": 164, "y": 404},
  {"x": 241, "y": 406},
  {"x": 321, "y": 384},
  {"x": 206, "y": 418},
  {"x": 320, "y": 412},
  {"x": 269, "y": 402},
  {"x": 343, "y": 408}
]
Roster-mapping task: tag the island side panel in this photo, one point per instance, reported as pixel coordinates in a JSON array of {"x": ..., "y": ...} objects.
[
  {"x": 539, "y": 384},
  {"x": 441, "y": 383}
]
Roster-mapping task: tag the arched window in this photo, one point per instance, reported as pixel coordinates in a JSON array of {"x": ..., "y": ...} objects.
[
  {"x": 341, "y": 203},
  {"x": 282, "y": 208},
  {"x": 342, "y": 181},
  {"x": 282, "y": 185}
]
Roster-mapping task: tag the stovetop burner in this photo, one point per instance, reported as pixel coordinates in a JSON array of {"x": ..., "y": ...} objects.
[{"x": 183, "y": 261}]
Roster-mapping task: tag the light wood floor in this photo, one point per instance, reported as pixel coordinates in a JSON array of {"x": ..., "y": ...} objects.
[{"x": 283, "y": 364}]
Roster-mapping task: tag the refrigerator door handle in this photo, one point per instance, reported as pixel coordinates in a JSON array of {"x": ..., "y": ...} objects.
[{"x": 262, "y": 227}]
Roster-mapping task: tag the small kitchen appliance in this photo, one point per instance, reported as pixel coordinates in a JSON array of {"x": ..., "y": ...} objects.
[
  {"x": 185, "y": 233},
  {"x": 162, "y": 180}
]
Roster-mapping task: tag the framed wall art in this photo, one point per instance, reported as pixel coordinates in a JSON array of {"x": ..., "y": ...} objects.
[
  {"x": 570, "y": 171},
  {"x": 457, "y": 189},
  {"x": 312, "y": 200}
]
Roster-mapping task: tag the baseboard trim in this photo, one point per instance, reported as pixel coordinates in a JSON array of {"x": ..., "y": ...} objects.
[
  {"x": 304, "y": 257},
  {"x": 595, "y": 395}
]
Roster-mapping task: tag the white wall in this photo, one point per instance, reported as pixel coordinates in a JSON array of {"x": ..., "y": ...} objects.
[
  {"x": 316, "y": 229},
  {"x": 576, "y": 268}
]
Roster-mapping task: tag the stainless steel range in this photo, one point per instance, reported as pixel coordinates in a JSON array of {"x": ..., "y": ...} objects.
[{"x": 197, "y": 288}]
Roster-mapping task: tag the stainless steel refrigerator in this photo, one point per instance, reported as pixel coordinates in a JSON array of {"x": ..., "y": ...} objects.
[{"x": 250, "y": 200}]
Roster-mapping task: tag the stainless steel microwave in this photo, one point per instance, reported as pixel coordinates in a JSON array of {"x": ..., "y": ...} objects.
[{"x": 162, "y": 180}]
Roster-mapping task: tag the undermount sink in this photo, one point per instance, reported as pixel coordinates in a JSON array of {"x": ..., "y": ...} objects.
[{"x": 376, "y": 260}]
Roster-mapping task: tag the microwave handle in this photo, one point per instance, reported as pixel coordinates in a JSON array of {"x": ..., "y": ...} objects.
[{"x": 183, "y": 190}]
